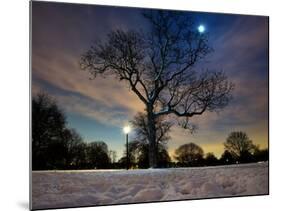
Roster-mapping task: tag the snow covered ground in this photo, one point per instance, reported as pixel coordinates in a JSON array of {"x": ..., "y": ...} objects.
[{"x": 55, "y": 189}]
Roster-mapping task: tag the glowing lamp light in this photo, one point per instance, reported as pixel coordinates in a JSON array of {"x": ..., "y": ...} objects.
[
  {"x": 201, "y": 29},
  {"x": 127, "y": 129}
]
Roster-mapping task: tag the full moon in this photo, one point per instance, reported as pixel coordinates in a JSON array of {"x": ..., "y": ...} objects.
[{"x": 201, "y": 28}]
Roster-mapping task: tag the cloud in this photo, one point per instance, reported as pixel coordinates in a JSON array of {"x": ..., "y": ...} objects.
[
  {"x": 107, "y": 94},
  {"x": 57, "y": 47},
  {"x": 73, "y": 102},
  {"x": 240, "y": 50}
]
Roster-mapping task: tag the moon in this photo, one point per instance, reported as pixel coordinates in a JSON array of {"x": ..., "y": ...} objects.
[{"x": 201, "y": 28}]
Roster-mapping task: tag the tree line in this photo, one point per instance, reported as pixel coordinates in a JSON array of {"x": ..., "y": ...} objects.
[
  {"x": 238, "y": 148},
  {"x": 192, "y": 155},
  {"x": 56, "y": 146}
]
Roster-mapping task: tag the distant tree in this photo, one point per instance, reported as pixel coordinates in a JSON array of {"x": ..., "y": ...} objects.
[
  {"x": 247, "y": 157},
  {"x": 140, "y": 152},
  {"x": 140, "y": 143},
  {"x": 55, "y": 146},
  {"x": 75, "y": 154},
  {"x": 211, "y": 159},
  {"x": 131, "y": 157},
  {"x": 227, "y": 158},
  {"x": 261, "y": 154},
  {"x": 79, "y": 160},
  {"x": 240, "y": 146},
  {"x": 189, "y": 154},
  {"x": 48, "y": 126},
  {"x": 97, "y": 155},
  {"x": 162, "y": 128},
  {"x": 158, "y": 67},
  {"x": 163, "y": 157}
]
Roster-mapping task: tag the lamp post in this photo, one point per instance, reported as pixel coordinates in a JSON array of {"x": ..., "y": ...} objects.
[{"x": 126, "y": 130}]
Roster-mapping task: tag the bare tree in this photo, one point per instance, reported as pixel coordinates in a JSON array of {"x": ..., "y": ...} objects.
[
  {"x": 159, "y": 67},
  {"x": 227, "y": 158},
  {"x": 238, "y": 143},
  {"x": 140, "y": 142},
  {"x": 189, "y": 154},
  {"x": 97, "y": 155},
  {"x": 211, "y": 159},
  {"x": 162, "y": 128}
]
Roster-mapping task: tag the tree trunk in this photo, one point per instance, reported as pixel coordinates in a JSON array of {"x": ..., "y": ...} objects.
[{"x": 151, "y": 138}]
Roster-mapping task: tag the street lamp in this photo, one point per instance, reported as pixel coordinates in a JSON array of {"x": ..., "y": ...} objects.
[{"x": 126, "y": 130}]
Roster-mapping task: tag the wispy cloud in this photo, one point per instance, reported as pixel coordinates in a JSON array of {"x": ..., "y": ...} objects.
[
  {"x": 104, "y": 96},
  {"x": 240, "y": 45}
]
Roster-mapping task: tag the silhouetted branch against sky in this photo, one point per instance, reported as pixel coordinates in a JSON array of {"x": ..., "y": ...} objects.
[
  {"x": 237, "y": 45},
  {"x": 160, "y": 69}
]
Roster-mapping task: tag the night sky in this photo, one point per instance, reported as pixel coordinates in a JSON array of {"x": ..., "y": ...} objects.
[{"x": 98, "y": 109}]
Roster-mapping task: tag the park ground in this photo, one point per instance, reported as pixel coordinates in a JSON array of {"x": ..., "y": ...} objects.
[{"x": 56, "y": 189}]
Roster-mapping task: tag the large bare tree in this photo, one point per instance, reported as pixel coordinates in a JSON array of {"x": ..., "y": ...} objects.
[{"x": 159, "y": 67}]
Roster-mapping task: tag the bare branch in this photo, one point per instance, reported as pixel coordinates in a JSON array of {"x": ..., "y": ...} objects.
[
  {"x": 211, "y": 91},
  {"x": 160, "y": 66}
]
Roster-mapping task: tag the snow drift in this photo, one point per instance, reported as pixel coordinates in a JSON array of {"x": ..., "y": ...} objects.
[{"x": 56, "y": 189}]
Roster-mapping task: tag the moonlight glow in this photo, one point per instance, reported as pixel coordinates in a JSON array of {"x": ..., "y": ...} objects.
[{"x": 201, "y": 28}]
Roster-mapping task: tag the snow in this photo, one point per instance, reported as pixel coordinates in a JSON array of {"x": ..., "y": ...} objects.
[{"x": 57, "y": 189}]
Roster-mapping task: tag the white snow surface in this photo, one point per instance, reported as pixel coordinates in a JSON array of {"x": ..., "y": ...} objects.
[{"x": 57, "y": 189}]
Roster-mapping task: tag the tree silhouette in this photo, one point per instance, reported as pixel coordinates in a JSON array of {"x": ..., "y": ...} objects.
[
  {"x": 79, "y": 159},
  {"x": 163, "y": 157},
  {"x": 227, "y": 158},
  {"x": 159, "y": 67},
  {"x": 75, "y": 149},
  {"x": 48, "y": 126},
  {"x": 211, "y": 159},
  {"x": 131, "y": 156},
  {"x": 189, "y": 154},
  {"x": 141, "y": 130},
  {"x": 261, "y": 154},
  {"x": 140, "y": 143},
  {"x": 55, "y": 146},
  {"x": 139, "y": 154},
  {"x": 97, "y": 155},
  {"x": 240, "y": 146}
]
